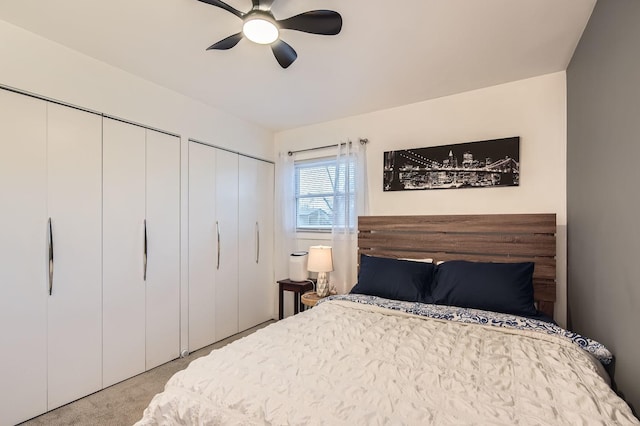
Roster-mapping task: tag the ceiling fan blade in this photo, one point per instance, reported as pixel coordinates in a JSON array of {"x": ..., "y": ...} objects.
[
  {"x": 262, "y": 4},
  {"x": 285, "y": 55},
  {"x": 223, "y": 5},
  {"x": 326, "y": 22},
  {"x": 226, "y": 43}
]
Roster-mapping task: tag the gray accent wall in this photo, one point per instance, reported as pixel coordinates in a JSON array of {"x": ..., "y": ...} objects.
[{"x": 603, "y": 187}]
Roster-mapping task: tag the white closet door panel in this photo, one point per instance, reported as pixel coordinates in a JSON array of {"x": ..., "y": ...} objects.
[
  {"x": 123, "y": 245},
  {"x": 23, "y": 258},
  {"x": 202, "y": 245},
  {"x": 75, "y": 207},
  {"x": 268, "y": 287},
  {"x": 163, "y": 249},
  {"x": 250, "y": 280},
  {"x": 257, "y": 287},
  {"x": 226, "y": 305}
]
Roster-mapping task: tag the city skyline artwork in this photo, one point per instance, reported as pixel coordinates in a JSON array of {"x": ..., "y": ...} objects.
[{"x": 480, "y": 164}]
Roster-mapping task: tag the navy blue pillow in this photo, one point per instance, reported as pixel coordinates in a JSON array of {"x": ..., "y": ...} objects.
[
  {"x": 498, "y": 287},
  {"x": 394, "y": 279}
]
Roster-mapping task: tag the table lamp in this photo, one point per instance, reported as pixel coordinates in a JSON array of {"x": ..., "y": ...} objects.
[{"x": 321, "y": 261}]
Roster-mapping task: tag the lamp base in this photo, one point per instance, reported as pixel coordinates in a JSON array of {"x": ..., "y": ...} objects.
[{"x": 322, "y": 287}]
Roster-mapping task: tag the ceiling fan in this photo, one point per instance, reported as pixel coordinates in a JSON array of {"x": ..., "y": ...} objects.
[{"x": 260, "y": 26}]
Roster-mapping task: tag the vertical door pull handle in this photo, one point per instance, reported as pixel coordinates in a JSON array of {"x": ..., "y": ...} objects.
[
  {"x": 50, "y": 239},
  {"x": 257, "y": 242},
  {"x": 218, "y": 232},
  {"x": 144, "y": 254}
]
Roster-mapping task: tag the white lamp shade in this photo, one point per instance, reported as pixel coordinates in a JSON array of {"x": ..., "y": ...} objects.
[{"x": 320, "y": 259}]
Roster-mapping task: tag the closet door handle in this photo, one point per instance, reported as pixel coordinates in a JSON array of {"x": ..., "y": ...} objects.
[
  {"x": 144, "y": 254},
  {"x": 257, "y": 242},
  {"x": 50, "y": 240},
  {"x": 218, "y": 233}
]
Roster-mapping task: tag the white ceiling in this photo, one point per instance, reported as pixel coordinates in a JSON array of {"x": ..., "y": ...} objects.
[{"x": 388, "y": 54}]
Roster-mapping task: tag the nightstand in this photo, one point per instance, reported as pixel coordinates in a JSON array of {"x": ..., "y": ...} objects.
[{"x": 297, "y": 287}]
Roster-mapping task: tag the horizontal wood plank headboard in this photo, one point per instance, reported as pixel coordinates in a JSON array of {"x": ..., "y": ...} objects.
[{"x": 480, "y": 238}]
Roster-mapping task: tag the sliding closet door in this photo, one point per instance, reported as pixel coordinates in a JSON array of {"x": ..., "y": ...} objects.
[
  {"x": 123, "y": 251},
  {"x": 74, "y": 151},
  {"x": 23, "y": 257},
  {"x": 203, "y": 245},
  {"x": 163, "y": 249},
  {"x": 226, "y": 295},
  {"x": 256, "y": 287}
]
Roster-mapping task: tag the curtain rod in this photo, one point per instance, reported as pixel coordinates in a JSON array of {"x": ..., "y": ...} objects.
[{"x": 362, "y": 141}]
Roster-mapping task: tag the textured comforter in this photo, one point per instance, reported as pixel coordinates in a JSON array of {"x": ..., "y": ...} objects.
[{"x": 357, "y": 363}]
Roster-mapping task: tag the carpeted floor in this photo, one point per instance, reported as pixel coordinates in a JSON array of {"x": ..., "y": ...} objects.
[{"x": 122, "y": 404}]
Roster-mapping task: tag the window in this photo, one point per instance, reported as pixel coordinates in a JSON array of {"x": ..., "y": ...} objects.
[{"x": 322, "y": 187}]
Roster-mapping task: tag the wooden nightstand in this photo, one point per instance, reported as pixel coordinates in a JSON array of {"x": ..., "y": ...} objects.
[
  {"x": 297, "y": 287},
  {"x": 310, "y": 299}
]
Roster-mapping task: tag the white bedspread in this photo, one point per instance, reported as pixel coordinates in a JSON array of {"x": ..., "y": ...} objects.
[{"x": 344, "y": 363}]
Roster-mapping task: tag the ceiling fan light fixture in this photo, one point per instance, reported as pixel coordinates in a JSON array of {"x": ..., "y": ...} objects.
[{"x": 260, "y": 29}]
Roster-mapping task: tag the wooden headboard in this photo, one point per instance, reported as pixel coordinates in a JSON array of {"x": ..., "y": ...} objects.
[{"x": 481, "y": 238}]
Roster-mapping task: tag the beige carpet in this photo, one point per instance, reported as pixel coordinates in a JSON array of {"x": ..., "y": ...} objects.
[{"x": 123, "y": 403}]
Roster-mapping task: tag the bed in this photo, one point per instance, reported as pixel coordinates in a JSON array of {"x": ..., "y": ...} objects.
[{"x": 374, "y": 357}]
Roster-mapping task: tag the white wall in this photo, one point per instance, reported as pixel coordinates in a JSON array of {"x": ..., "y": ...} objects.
[
  {"x": 534, "y": 109},
  {"x": 33, "y": 64}
]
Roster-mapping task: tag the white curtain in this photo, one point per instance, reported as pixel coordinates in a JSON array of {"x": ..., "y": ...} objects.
[
  {"x": 351, "y": 201},
  {"x": 285, "y": 213}
]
